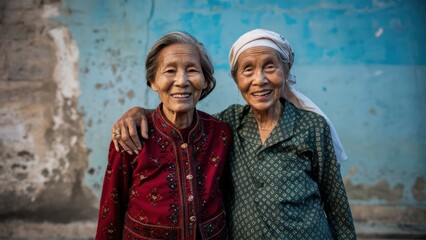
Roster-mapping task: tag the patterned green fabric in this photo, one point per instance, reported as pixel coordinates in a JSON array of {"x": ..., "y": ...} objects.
[{"x": 290, "y": 187}]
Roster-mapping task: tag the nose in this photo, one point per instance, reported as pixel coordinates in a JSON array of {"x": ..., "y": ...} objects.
[
  {"x": 259, "y": 77},
  {"x": 181, "y": 79}
]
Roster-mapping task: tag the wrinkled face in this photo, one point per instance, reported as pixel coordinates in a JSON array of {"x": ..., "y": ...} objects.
[
  {"x": 179, "y": 79},
  {"x": 260, "y": 77}
]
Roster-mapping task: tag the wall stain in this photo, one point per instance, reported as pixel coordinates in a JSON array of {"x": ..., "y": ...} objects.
[
  {"x": 372, "y": 111},
  {"x": 380, "y": 190},
  {"x": 130, "y": 94},
  {"x": 418, "y": 190},
  {"x": 114, "y": 69},
  {"x": 45, "y": 172},
  {"x": 91, "y": 171},
  {"x": 26, "y": 155}
]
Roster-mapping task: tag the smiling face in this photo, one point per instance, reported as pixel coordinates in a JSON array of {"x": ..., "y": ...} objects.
[
  {"x": 179, "y": 79},
  {"x": 260, "y": 77}
]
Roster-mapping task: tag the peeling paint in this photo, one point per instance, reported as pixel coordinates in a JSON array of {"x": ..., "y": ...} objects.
[{"x": 379, "y": 32}]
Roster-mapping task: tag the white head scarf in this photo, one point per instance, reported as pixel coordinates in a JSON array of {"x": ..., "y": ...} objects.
[{"x": 262, "y": 37}]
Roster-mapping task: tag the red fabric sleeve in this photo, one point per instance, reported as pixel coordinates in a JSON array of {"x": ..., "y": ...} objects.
[{"x": 115, "y": 195}]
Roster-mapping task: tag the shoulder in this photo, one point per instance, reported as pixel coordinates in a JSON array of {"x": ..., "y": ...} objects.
[
  {"x": 234, "y": 110},
  {"x": 305, "y": 115},
  {"x": 233, "y": 114},
  {"x": 308, "y": 119},
  {"x": 213, "y": 122}
]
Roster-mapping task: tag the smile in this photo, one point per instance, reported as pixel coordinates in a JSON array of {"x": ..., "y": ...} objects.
[
  {"x": 262, "y": 93},
  {"x": 181, "y": 95}
]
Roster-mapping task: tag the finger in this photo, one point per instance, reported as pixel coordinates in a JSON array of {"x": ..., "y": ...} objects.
[
  {"x": 117, "y": 148},
  {"x": 144, "y": 127},
  {"x": 126, "y": 141},
  {"x": 134, "y": 137},
  {"x": 113, "y": 137},
  {"x": 125, "y": 147}
]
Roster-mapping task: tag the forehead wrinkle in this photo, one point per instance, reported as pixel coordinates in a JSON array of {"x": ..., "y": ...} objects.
[
  {"x": 178, "y": 58},
  {"x": 178, "y": 52},
  {"x": 257, "y": 55}
]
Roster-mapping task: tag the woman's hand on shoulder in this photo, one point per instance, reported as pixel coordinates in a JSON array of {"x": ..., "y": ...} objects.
[{"x": 125, "y": 133}]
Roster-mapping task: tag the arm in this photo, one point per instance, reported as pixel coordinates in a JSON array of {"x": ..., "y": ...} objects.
[
  {"x": 129, "y": 139},
  {"x": 115, "y": 196},
  {"x": 333, "y": 193}
]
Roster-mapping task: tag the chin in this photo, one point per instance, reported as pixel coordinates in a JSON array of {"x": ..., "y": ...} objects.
[
  {"x": 183, "y": 109},
  {"x": 263, "y": 106}
]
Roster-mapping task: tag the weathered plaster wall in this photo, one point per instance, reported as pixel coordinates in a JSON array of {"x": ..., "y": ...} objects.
[
  {"x": 42, "y": 152},
  {"x": 363, "y": 62}
]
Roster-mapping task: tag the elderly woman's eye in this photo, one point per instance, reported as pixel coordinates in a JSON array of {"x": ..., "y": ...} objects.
[
  {"x": 270, "y": 66},
  {"x": 169, "y": 71},
  {"x": 193, "y": 70},
  {"x": 248, "y": 70}
]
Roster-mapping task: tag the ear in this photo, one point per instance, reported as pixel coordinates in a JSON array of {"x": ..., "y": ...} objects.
[
  {"x": 206, "y": 84},
  {"x": 154, "y": 86}
]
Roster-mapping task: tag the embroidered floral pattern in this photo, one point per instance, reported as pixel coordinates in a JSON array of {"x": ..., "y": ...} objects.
[
  {"x": 114, "y": 195},
  {"x": 133, "y": 192},
  {"x": 214, "y": 160},
  {"x": 105, "y": 211},
  {"x": 154, "y": 197},
  {"x": 140, "y": 177},
  {"x": 137, "y": 230},
  {"x": 110, "y": 229},
  {"x": 141, "y": 217}
]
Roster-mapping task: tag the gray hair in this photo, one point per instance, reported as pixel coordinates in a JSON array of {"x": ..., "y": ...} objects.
[{"x": 151, "y": 63}]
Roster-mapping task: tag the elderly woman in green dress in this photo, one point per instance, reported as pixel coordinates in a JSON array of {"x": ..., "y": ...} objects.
[{"x": 283, "y": 177}]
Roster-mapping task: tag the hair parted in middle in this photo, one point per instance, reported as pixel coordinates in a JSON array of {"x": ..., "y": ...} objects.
[{"x": 151, "y": 64}]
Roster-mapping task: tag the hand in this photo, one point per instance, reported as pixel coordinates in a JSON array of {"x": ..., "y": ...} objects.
[{"x": 124, "y": 131}]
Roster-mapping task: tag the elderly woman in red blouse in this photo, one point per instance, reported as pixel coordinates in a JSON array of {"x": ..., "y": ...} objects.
[{"x": 171, "y": 188}]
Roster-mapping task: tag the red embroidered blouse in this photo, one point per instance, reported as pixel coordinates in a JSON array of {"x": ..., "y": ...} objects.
[{"x": 171, "y": 188}]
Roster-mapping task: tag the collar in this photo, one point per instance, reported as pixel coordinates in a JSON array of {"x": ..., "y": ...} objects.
[
  {"x": 283, "y": 130},
  {"x": 166, "y": 128}
]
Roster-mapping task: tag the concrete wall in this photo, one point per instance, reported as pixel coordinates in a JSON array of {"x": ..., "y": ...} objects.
[
  {"x": 63, "y": 85},
  {"x": 42, "y": 151}
]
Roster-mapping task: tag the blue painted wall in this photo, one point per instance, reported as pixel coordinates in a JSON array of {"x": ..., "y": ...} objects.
[{"x": 363, "y": 62}]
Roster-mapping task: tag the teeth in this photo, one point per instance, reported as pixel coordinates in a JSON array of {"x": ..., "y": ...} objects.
[
  {"x": 263, "y": 93},
  {"x": 185, "y": 95}
]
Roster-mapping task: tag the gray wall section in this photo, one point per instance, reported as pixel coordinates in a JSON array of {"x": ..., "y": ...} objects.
[{"x": 69, "y": 69}]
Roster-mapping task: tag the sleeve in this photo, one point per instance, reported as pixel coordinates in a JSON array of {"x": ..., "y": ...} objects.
[
  {"x": 114, "y": 198},
  {"x": 333, "y": 193}
]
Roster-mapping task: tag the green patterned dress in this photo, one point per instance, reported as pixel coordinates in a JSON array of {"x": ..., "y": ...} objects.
[{"x": 290, "y": 187}]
